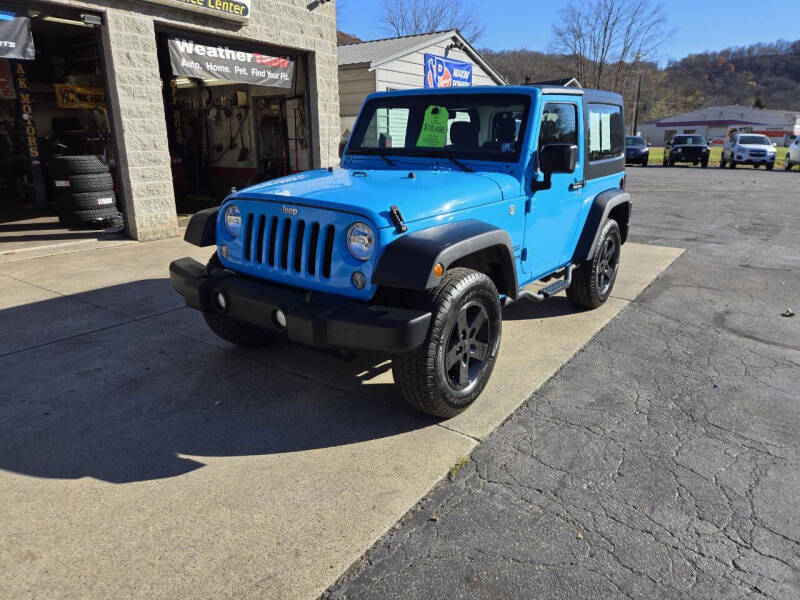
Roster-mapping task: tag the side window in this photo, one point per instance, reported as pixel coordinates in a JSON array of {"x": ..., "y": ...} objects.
[
  {"x": 559, "y": 124},
  {"x": 387, "y": 129},
  {"x": 606, "y": 131}
]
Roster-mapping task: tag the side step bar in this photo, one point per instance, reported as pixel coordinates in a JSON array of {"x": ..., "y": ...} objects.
[{"x": 551, "y": 289}]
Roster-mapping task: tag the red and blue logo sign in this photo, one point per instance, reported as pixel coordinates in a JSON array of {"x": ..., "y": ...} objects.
[{"x": 443, "y": 72}]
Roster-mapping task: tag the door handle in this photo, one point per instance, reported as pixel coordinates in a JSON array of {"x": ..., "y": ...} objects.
[{"x": 577, "y": 185}]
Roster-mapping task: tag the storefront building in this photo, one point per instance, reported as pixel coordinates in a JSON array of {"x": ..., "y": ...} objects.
[{"x": 184, "y": 99}]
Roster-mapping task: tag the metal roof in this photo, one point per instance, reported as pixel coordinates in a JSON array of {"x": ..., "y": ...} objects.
[
  {"x": 377, "y": 52},
  {"x": 389, "y": 48}
]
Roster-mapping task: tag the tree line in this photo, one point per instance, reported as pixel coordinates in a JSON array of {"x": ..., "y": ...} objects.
[{"x": 610, "y": 44}]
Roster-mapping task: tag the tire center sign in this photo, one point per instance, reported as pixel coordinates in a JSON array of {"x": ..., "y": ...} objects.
[{"x": 236, "y": 10}]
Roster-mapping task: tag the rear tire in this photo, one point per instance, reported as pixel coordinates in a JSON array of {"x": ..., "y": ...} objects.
[
  {"x": 704, "y": 164},
  {"x": 233, "y": 331},
  {"x": 452, "y": 366},
  {"x": 594, "y": 279}
]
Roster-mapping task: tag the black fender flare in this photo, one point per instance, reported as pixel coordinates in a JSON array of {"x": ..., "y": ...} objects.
[
  {"x": 602, "y": 206},
  {"x": 202, "y": 228},
  {"x": 408, "y": 261}
]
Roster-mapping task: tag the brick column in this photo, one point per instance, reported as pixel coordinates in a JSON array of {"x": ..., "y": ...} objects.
[{"x": 143, "y": 162}]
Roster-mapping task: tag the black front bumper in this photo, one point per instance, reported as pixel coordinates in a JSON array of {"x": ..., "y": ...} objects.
[
  {"x": 318, "y": 320},
  {"x": 691, "y": 155}
]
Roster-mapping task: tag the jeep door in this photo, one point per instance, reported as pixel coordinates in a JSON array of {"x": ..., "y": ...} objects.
[{"x": 551, "y": 222}]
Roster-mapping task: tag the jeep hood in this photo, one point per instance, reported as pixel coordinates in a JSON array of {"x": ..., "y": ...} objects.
[{"x": 371, "y": 192}]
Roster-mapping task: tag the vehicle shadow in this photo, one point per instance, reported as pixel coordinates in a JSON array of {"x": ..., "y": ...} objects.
[
  {"x": 557, "y": 306},
  {"x": 146, "y": 398}
]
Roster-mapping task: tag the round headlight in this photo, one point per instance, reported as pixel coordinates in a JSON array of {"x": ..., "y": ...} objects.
[
  {"x": 233, "y": 220},
  {"x": 361, "y": 240}
]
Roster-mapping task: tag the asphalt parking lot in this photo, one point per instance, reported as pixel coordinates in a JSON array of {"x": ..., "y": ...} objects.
[{"x": 663, "y": 460}]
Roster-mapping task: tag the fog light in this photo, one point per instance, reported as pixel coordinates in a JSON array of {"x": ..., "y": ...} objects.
[
  {"x": 223, "y": 251},
  {"x": 359, "y": 280},
  {"x": 279, "y": 318},
  {"x": 438, "y": 269},
  {"x": 220, "y": 301}
]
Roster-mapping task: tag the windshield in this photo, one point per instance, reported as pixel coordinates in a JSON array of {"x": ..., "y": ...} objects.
[
  {"x": 689, "y": 140},
  {"x": 755, "y": 139},
  {"x": 477, "y": 126},
  {"x": 634, "y": 141}
]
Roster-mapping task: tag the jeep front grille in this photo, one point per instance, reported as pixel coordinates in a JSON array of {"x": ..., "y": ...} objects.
[{"x": 290, "y": 245}]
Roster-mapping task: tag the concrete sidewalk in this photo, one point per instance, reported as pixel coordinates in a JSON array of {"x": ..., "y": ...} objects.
[{"x": 143, "y": 457}]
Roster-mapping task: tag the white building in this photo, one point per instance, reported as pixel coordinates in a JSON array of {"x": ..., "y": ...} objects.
[
  {"x": 439, "y": 59},
  {"x": 718, "y": 122}
]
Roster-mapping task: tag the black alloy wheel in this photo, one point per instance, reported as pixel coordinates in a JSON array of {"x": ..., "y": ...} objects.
[
  {"x": 607, "y": 265},
  {"x": 467, "y": 346}
]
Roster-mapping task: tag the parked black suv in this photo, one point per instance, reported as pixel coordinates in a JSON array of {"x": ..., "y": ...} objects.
[{"x": 686, "y": 148}]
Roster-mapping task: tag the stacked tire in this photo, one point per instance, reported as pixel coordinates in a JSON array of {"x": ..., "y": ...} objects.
[{"x": 84, "y": 191}]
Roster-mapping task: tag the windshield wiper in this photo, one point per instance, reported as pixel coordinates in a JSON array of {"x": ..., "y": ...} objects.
[
  {"x": 459, "y": 164},
  {"x": 376, "y": 153}
]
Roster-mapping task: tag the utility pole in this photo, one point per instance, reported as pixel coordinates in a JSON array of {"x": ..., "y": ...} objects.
[{"x": 635, "y": 124}]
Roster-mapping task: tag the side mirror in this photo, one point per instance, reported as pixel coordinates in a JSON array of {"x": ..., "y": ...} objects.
[
  {"x": 558, "y": 158},
  {"x": 555, "y": 158},
  {"x": 649, "y": 144}
]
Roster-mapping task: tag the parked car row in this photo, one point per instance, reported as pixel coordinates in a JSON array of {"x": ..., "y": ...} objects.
[{"x": 739, "y": 149}]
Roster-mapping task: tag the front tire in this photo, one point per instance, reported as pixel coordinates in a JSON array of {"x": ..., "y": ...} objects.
[
  {"x": 787, "y": 164},
  {"x": 452, "y": 366},
  {"x": 594, "y": 279},
  {"x": 770, "y": 166},
  {"x": 233, "y": 331}
]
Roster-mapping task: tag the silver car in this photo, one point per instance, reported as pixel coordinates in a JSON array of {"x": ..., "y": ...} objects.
[
  {"x": 792, "y": 154},
  {"x": 748, "y": 149}
]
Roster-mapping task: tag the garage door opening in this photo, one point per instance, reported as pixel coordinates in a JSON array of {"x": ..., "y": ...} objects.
[
  {"x": 236, "y": 115},
  {"x": 53, "y": 104}
]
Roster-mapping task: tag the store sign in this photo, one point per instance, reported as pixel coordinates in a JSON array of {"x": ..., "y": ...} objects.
[
  {"x": 190, "y": 59},
  {"x": 443, "y": 72},
  {"x": 75, "y": 96},
  {"x": 16, "y": 40},
  {"x": 238, "y": 10}
]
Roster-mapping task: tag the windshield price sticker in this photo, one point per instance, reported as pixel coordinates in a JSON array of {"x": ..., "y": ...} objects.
[{"x": 434, "y": 128}]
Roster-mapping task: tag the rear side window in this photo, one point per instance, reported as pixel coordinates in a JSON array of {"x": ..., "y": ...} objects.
[
  {"x": 606, "y": 131},
  {"x": 559, "y": 124}
]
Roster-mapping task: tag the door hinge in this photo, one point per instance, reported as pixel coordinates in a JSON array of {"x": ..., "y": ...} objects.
[
  {"x": 524, "y": 255},
  {"x": 527, "y": 206}
]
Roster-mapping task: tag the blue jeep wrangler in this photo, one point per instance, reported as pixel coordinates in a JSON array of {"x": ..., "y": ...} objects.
[{"x": 446, "y": 203}]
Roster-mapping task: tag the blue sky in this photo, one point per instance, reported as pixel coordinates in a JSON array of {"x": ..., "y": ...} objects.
[{"x": 698, "y": 24}]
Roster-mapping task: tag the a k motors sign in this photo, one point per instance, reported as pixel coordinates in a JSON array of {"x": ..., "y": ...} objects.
[{"x": 237, "y": 10}]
